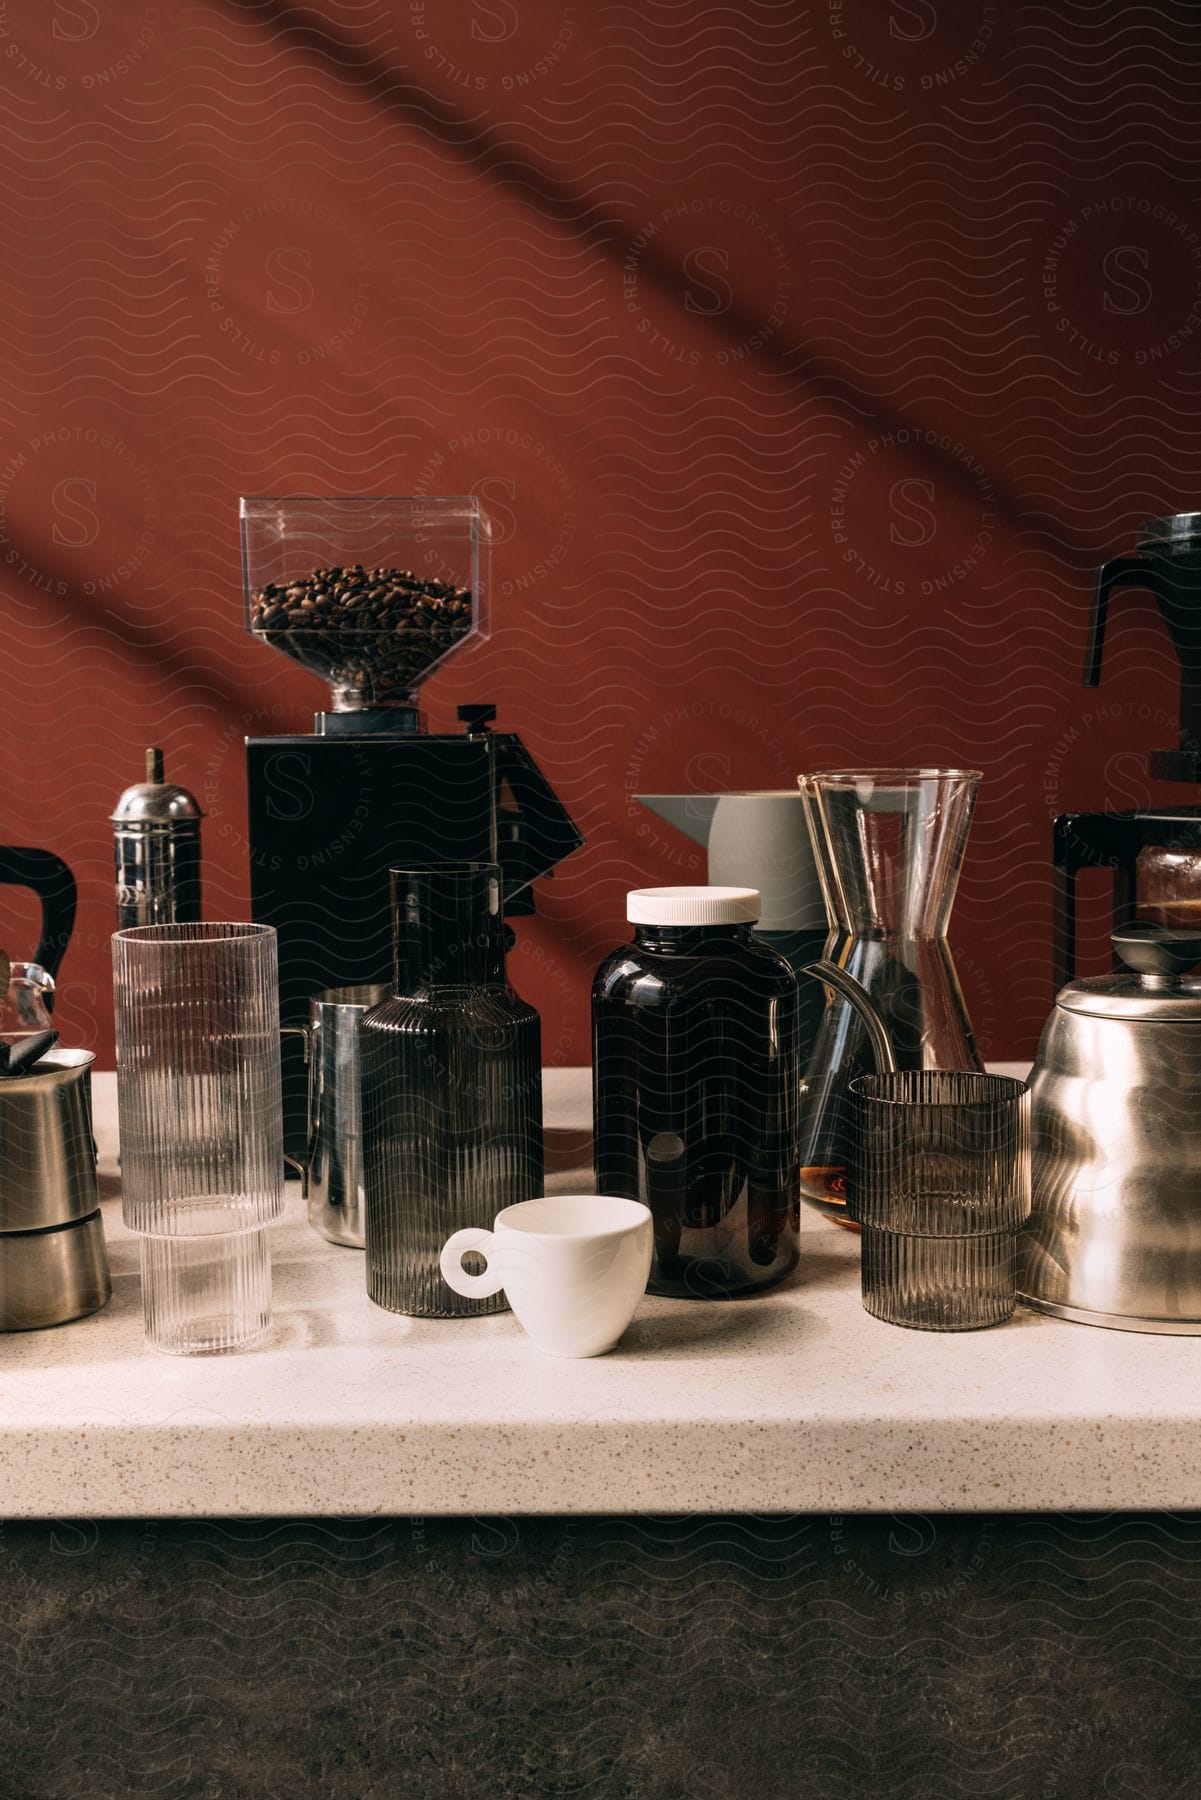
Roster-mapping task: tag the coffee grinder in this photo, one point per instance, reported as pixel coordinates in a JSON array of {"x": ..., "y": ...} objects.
[
  {"x": 1154, "y": 854},
  {"x": 372, "y": 594}
]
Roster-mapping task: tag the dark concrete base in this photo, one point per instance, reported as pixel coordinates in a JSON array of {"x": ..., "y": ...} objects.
[{"x": 800, "y": 1659}]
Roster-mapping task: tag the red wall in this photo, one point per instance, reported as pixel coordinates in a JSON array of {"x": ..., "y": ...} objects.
[{"x": 810, "y": 358}]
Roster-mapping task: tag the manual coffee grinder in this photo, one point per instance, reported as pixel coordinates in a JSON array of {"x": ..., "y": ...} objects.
[
  {"x": 373, "y": 594},
  {"x": 1154, "y": 854}
]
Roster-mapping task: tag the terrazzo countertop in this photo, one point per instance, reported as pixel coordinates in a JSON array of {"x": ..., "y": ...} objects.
[{"x": 793, "y": 1401}]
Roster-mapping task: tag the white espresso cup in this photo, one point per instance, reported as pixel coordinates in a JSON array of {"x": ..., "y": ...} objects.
[{"x": 573, "y": 1267}]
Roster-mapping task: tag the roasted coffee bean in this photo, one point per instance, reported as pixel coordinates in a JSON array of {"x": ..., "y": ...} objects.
[{"x": 374, "y": 630}]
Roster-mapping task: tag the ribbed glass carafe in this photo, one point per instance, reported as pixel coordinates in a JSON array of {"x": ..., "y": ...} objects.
[
  {"x": 452, "y": 1088},
  {"x": 198, "y": 1078}
]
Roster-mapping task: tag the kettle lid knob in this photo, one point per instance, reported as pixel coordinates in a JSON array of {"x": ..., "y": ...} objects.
[{"x": 1157, "y": 951}]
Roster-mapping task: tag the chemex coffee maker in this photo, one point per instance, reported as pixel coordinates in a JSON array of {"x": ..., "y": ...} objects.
[
  {"x": 372, "y": 594},
  {"x": 1155, "y": 854}
]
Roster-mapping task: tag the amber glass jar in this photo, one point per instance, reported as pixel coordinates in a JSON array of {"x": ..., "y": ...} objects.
[{"x": 695, "y": 1089}]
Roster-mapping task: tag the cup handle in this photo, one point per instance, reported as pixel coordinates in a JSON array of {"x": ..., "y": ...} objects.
[{"x": 472, "y": 1287}]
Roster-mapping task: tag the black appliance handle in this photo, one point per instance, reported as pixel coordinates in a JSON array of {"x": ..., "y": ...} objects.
[
  {"x": 1119, "y": 572},
  {"x": 54, "y": 885},
  {"x": 539, "y": 831}
]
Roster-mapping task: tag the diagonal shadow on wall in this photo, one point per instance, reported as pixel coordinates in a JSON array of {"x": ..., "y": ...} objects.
[{"x": 305, "y": 32}]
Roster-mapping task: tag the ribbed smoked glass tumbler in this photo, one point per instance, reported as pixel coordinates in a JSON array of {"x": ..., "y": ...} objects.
[
  {"x": 198, "y": 1088},
  {"x": 939, "y": 1179}
]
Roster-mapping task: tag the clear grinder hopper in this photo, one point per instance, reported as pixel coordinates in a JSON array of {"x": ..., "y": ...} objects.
[{"x": 371, "y": 593}]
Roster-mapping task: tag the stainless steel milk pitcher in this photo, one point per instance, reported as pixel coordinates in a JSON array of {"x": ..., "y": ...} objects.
[{"x": 332, "y": 1166}]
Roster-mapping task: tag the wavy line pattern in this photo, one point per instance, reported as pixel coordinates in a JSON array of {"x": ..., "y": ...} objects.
[
  {"x": 930, "y": 1659},
  {"x": 809, "y": 358}
]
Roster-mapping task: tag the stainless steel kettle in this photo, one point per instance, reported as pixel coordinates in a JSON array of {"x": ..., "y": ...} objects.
[{"x": 1114, "y": 1237}]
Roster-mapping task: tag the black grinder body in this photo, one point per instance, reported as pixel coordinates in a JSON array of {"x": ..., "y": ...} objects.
[{"x": 331, "y": 813}]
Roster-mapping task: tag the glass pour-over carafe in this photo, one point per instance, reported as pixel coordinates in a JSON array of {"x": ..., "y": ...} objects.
[{"x": 889, "y": 844}]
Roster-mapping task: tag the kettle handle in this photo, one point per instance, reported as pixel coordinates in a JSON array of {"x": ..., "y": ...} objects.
[
  {"x": 54, "y": 885},
  {"x": 1119, "y": 572}
]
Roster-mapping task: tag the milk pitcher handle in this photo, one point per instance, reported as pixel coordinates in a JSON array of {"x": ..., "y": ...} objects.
[{"x": 301, "y": 1163}]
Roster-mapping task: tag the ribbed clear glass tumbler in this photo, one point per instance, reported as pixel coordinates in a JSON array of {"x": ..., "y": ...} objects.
[
  {"x": 939, "y": 1179},
  {"x": 208, "y": 1293},
  {"x": 198, "y": 1090}
]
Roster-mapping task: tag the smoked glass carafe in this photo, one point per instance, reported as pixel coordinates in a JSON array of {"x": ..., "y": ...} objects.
[
  {"x": 452, "y": 1088},
  {"x": 889, "y": 844}
]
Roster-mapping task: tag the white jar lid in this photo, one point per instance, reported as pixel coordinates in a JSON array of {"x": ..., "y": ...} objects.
[{"x": 693, "y": 906}]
